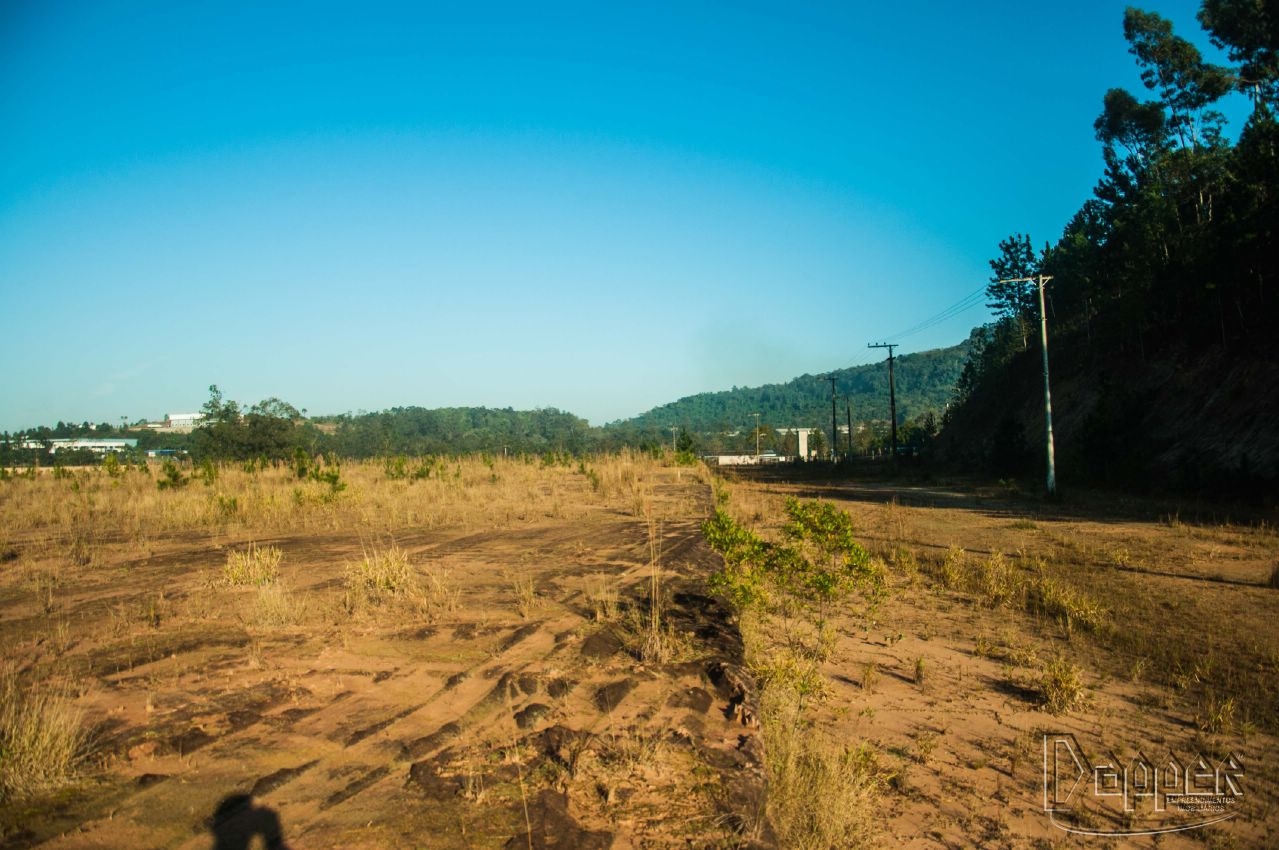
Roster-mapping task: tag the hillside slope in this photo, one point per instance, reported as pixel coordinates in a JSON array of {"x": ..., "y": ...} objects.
[
  {"x": 925, "y": 382},
  {"x": 1201, "y": 420}
]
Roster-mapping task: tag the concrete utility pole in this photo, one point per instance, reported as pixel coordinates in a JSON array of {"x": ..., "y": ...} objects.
[
  {"x": 834, "y": 428},
  {"x": 674, "y": 431},
  {"x": 892, "y": 392},
  {"x": 1041, "y": 281},
  {"x": 756, "y": 415}
]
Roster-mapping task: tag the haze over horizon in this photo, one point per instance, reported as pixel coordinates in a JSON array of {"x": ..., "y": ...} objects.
[{"x": 590, "y": 207}]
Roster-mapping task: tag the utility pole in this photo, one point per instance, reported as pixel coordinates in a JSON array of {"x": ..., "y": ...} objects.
[
  {"x": 848, "y": 409},
  {"x": 1041, "y": 281},
  {"x": 834, "y": 427},
  {"x": 674, "y": 430},
  {"x": 756, "y": 415},
  {"x": 892, "y": 392}
]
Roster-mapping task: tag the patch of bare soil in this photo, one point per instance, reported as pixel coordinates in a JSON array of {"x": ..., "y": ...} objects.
[{"x": 517, "y": 698}]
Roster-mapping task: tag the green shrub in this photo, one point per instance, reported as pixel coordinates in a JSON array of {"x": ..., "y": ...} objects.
[{"x": 171, "y": 477}]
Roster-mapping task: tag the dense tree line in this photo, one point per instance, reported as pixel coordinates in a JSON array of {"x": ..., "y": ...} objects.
[
  {"x": 454, "y": 430},
  {"x": 274, "y": 430},
  {"x": 924, "y": 384},
  {"x": 1162, "y": 283},
  {"x": 13, "y": 453}
]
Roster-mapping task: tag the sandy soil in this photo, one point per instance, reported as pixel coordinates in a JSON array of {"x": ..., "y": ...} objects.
[
  {"x": 481, "y": 726},
  {"x": 495, "y": 718},
  {"x": 1189, "y": 620}
]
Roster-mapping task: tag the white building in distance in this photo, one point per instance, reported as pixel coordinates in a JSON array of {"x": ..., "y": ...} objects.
[
  {"x": 182, "y": 422},
  {"x": 100, "y": 447}
]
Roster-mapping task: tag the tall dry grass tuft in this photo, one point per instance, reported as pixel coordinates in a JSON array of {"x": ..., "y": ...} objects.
[
  {"x": 657, "y": 645},
  {"x": 525, "y": 591},
  {"x": 1061, "y": 686},
  {"x": 277, "y": 606},
  {"x": 380, "y": 576},
  {"x": 822, "y": 795},
  {"x": 603, "y": 597},
  {"x": 384, "y": 578},
  {"x": 42, "y": 739},
  {"x": 256, "y": 565}
]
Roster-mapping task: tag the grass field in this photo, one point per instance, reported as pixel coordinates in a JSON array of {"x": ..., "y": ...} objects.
[{"x": 490, "y": 652}]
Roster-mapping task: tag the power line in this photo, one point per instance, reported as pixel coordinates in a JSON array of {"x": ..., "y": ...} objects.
[{"x": 963, "y": 305}]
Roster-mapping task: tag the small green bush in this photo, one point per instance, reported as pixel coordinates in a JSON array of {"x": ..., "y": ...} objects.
[{"x": 171, "y": 477}]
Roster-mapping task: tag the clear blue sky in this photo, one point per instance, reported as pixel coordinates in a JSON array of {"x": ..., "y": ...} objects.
[{"x": 599, "y": 207}]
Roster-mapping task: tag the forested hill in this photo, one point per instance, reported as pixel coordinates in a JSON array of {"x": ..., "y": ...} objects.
[
  {"x": 275, "y": 430},
  {"x": 1162, "y": 300},
  {"x": 925, "y": 383}
]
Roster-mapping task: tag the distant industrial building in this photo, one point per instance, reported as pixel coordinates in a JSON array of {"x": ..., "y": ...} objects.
[
  {"x": 97, "y": 446},
  {"x": 747, "y": 460},
  {"x": 178, "y": 423},
  {"x": 183, "y": 421},
  {"x": 801, "y": 438}
]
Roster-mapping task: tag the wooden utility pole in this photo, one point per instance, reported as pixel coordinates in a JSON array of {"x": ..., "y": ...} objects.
[
  {"x": 1041, "y": 281},
  {"x": 834, "y": 428},
  {"x": 892, "y": 392},
  {"x": 756, "y": 415},
  {"x": 848, "y": 409}
]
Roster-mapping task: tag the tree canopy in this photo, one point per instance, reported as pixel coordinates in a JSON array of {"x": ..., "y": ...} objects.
[{"x": 1169, "y": 267}]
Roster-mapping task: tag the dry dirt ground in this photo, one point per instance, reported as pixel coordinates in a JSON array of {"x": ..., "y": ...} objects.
[
  {"x": 946, "y": 684},
  {"x": 510, "y": 710},
  {"x": 509, "y": 705}
]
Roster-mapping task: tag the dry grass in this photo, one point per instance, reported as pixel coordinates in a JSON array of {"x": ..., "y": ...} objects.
[
  {"x": 256, "y": 566},
  {"x": 1061, "y": 686},
  {"x": 277, "y": 606},
  {"x": 822, "y": 794},
  {"x": 385, "y": 580},
  {"x": 656, "y": 645},
  {"x": 602, "y": 596},
  {"x": 380, "y": 577},
  {"x": 526, "y": 601},
  {"x": 42, "y": 739},
  {"x": 93, "y": 506},
  {"x": 1031, "y": 584}
]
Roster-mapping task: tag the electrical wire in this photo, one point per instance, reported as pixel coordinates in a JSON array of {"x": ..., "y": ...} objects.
[{"x": 965, "y": 304}]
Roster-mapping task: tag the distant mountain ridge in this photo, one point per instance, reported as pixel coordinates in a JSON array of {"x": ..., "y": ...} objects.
[{"x": 925, "y": 382}]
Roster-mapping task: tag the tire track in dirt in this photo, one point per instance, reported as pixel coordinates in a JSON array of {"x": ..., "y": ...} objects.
[
  {"x": 408, "y": 728},
  {"x": 374, "y": 752}
]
